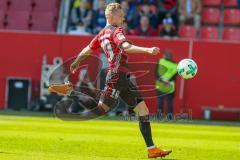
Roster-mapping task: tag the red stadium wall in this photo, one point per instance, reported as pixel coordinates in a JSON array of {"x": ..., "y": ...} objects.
[
  {"x": 218, "y": 79},
  {"x": 217, "y": 82}
]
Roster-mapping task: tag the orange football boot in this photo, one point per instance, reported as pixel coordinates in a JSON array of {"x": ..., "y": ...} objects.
[
  {"x": 156, "y": 152},
  {"x": 64, "y": 89}
]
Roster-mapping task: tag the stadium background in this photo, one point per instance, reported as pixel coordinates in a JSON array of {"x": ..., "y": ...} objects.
[{"x": 216, "y": 84}]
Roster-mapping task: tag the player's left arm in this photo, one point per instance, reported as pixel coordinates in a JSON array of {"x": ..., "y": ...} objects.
[
  {"x": 122, "y": 42},
  {"x": 130, "y": 48}
]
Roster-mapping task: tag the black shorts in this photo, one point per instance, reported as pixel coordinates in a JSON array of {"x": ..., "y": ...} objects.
[{"x": 119, "y": 85}]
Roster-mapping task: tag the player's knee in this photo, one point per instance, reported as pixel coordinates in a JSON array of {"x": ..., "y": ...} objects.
[
  {"x": 143, "y": 112},
  {"x": 141, "y": 109}
]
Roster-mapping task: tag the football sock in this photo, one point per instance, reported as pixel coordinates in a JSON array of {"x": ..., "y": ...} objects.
[
  {"x": 145, "y": 129},
  {"x": 151, "y": 147}
]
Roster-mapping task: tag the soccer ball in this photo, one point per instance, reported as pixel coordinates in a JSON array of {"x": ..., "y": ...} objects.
[{"x": 187, "y": 68}]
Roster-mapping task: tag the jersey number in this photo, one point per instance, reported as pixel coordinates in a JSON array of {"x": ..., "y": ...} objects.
[
  {"x": 107, "y": 48},
  {"x": 115, "y": 94}
]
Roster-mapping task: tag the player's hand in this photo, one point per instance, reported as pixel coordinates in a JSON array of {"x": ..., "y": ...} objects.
[
  {"x": 154, "y": 50},
  {"x": 74, "y": 66}
]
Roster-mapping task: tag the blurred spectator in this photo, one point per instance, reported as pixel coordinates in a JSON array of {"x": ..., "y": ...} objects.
[
  {"x": 238, "y": 1},
  {"x": 145, "y": 29},
  {"x": 96, "y": 3},
  {"x": 190, "y": 10},
  {"x": 168, "y": 7},
  {"x": 99, "y": 21},
  {"x": 127, "y": 30},
  {"x": 130, "y": 12},
  {"x": 80, "y": 17},
  {"x": 149, "y": 2},
  {"x": 145, "y": 11},
  {"x": 166, "y": 73},
  {"x": 168, "y": 30}
]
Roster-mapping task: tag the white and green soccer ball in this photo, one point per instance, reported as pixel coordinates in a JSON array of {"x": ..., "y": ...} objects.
[{"x": 187, "y": 68}]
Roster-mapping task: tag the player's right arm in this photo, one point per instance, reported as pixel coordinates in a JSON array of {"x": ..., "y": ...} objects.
[
  {"x": 94, "y": 44},
  {"x": 81, "y": 56}
]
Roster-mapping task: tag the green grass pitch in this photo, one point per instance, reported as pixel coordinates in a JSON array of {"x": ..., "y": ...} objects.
[{"x": 48, "y": 138}]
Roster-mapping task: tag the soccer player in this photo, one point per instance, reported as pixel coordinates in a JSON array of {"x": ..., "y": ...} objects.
[{"x": 115, "y": 45}]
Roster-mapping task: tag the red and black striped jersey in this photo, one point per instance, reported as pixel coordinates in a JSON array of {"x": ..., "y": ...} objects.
[{"x": 110, "y": 39}]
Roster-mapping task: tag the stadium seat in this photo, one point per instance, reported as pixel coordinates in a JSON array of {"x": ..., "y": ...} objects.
[
  {"x": 209, "y": 32},
  {"x": 20, "y": 5},
  {"x": 46, "y": 5},
  {"x": 231, "y": 16},
  {"x": 18, "y": 20},
  {"x": 2, "y": 19},
  {"x": 3, "y": 5},
  {"x": 210, "y": 15},
  {"x": 43, "y": 21},
  {"x": 230, "y": 3},
  {"x": 212, "y": 2},
  {"x": 187, "y": 32},
  {"x": 231, "y": 34}
]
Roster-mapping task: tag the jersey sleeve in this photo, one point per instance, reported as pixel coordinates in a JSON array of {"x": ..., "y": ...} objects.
[
  {"x": 119, "y": 37},
  {"x": 94, "y": 44}
]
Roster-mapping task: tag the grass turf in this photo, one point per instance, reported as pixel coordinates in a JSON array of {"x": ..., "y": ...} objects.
[{"x": 48, "y": 138}]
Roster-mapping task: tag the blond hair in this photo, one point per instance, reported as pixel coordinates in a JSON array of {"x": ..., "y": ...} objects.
[{"x": 112, "y": 8}]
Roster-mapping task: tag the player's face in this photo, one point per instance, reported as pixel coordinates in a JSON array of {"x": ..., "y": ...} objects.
[{"x": 119, "y": 18}]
